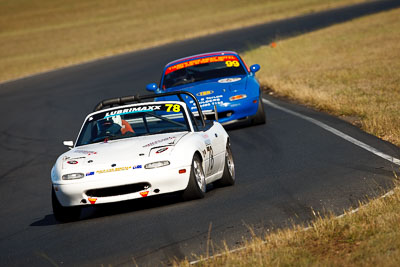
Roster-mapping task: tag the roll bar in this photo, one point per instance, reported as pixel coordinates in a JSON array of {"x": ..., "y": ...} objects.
[{"x": 138, "y": 98}]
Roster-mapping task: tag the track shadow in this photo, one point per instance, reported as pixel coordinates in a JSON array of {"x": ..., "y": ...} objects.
[
  {"x": 46, "y": 221},
  {"x": 104, "y": 210}
]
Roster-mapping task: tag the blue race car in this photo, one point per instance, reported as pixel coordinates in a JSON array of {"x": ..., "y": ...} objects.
[{"x": 222, "y": 83}]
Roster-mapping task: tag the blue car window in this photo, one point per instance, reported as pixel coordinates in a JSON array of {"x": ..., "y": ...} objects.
[{"x": 202, "y": 69}]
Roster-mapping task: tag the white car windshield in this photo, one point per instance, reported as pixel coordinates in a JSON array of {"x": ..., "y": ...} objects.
[{"x": 131, "y": 121}]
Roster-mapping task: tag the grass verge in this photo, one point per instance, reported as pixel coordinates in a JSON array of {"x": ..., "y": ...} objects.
[
  {"x": 41, "y": 35},
  {"x": 351, "y": 70},
  {"x": 369, "y": 237}
]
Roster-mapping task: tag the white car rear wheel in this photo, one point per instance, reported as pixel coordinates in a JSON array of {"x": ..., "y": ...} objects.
[{"x": 228, "y": 176}]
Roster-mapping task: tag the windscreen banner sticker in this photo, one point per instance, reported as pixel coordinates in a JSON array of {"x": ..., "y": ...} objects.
[
  {"x": 131, "y": 110},
  {"x": 233, "y": 62}
]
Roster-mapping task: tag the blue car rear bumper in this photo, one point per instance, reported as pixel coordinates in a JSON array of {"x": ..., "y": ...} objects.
[{"x": 232, "y": 111}]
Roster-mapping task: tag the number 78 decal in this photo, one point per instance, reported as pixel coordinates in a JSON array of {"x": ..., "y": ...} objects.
[{"x": 174, "y": 107}]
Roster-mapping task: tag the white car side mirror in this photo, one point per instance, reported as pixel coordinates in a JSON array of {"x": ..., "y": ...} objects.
[{"x": 69, "y": 144}]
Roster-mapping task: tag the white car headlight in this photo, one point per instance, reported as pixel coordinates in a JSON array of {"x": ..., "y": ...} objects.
[
  {"x": 72, "y": 176},
  {"x": 156, "y": 164}
]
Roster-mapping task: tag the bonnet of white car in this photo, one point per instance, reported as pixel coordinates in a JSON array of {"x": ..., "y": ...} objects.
[{"x": 123, "y": 150}]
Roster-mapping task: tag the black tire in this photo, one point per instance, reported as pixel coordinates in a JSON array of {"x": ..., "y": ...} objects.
[
  {"x": 196, "y": 187},
  {"x": 259, "y": 118},
  {"x": 228, "y": 176},
  {"x": 64, "y": 214}
]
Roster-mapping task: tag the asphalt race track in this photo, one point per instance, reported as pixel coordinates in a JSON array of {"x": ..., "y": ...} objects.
[{"x": 285, "y": 169}]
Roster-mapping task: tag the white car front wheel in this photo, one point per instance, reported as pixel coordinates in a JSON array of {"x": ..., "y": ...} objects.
[
  {"x": 64, "y": 214},
  {"x": 197, "y": 182}
]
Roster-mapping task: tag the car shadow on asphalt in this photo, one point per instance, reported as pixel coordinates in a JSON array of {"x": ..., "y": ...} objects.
[
  {"x": 240, "y": 126},
  {"x": 105, "y": 210}
]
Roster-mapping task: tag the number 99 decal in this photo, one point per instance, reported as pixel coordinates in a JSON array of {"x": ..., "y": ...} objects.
[{"x": 233, "y": 63}]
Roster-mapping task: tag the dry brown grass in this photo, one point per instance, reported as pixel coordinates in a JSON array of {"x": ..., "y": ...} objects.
[
  {"x": 369, "y": 237},
  {"x": 351, "y": 70},
  {"x": 41, "y": 35}
]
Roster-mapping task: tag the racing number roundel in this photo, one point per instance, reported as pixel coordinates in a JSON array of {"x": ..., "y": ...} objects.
[{"x": 233, "y": 63}]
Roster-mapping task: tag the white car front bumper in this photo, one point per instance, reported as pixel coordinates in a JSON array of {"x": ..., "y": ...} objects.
[{"x": 114, "y": 187}]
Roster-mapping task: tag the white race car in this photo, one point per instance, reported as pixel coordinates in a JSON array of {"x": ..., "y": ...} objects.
[{"x": 138, "y": 150}]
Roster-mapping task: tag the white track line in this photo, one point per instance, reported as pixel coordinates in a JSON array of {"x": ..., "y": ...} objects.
[{"x": 336, "y": 132}]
